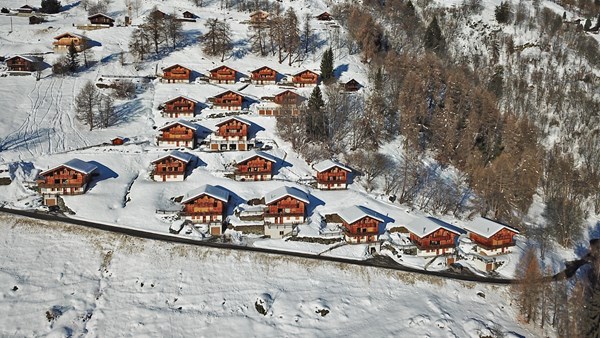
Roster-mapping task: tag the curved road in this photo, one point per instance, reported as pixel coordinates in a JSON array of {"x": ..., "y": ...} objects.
[{"x": 378, "y": 262}]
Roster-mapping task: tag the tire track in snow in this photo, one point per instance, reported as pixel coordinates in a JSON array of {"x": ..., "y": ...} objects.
[{"x": 18, "y": 132}]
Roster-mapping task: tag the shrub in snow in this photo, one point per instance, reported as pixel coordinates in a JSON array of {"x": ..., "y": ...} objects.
[{"x": 263, "y": 303}]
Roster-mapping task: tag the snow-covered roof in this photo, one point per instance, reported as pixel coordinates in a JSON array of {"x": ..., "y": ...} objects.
[
  {"x": 185, "y": 157},
  {"x": 182, "y": 122},
  {"x": 228, "y": 91},
  {"x": 75, "y": 164},
  {"x": 263, "y": 67},
  {"x": 181, "y": 97},
  {"x": 173, "y": 66},
  {"x": 486, "y": 227},
  {"x": 209, "y": 190},
  {"x": 253, "y": 153},
  {"x": 242, "y": 120},
  {"x": 100, "y": 14},
  {"x": 357, "y": 212},
  {"x": 427, "y": 225},
  {"x": 304, "y": 71},
  {"x": 58, "y": 37},
  {"x": 284, "y": 191},
  {"x": 25, "y": 57},
  {"x": 221, "y": 66},
  {"x": 328, "y": 164}
]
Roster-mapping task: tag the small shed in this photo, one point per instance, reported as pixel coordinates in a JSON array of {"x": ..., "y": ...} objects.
[{"x": 117, "y": 141}]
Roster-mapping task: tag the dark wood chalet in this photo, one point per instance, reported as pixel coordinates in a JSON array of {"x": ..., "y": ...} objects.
[
  {"x": 177, "y": 134},
  {"x": 432, "y": 236},
  {"x": 228, "y": 100},
  {"x": 20, "y": 63},
  {"x": 158, "y": 13},
  {"x": 179, "y": 107},
  {"x": 491, "y": 237},
  {"x": 352, "y": 86},
  {"x": 26, "y": 9},
  {"x": 305, "y": 78},
  {"x": 206, "y": 205},
  {"x": 324, "y": 17},
  {"x": 332, "y": 175},
  {"x": 255, "y": 166},
  {"x": 70, "y": 178},
  {"x": 176, "y": 73},
  {"x": 222, "y": 75},
  {"x": 189, "y": 15},
  {"x": 263, "y": 75},
  {"x": 231, "y": 134},
  {"x": 285, "y": 103},
  {"x": 286, "y": 205},
  {"x": 63, "y": 41},
  {"x": 101, "y": 19},
  {"x": 361, "y": 225},
  {"x": 171, "y": 167}
]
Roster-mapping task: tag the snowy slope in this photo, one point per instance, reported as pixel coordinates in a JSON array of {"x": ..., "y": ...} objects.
[{"x": 101, "y": 284}]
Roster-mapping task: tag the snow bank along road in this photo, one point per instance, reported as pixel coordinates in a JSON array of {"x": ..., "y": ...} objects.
[{"x": 378, "y": 262}]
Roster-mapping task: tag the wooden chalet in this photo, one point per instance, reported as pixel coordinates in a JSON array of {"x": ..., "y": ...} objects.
[
  {"x": 117, "y": 141},
  {"x": 69, "y": 178},
  {"x": 171, "y": 167},
  {"x": 285, "y": 103},
  {"x": 352, "y": 86},
  {"x": 228, "y": 100},
  {"x": 158, "y": 13},
  {"x": 206, "y": 205},
  {"x": 305, "y": 78},
  {"x": 361, "y": 225},
  {"x": 177, "y": 134},
  {"x": 286, "y": 207},
  {"x": 63, "y": 41},
  {"x": 176, "y": 74},
  {"x": 25, "y": 9},
  {"x": 189, "y": 15},
  {"x": 332, "y": 175},
  {"x": 491, "y": 237},
  {"x": 21, "y": 63},
  {"x": 255, "y": 166},
  {"x": 222, "y": 75},
  {"x": 263, "y": 75},
  {"x": 231, "y": 134},
  {"x": 179, "y": 107},
  {"x": 432, "y": 236},
  {"x": 101, "y": 20},
  {"x": 324, "y": 17},
  {"x": 259, "y": 18}
]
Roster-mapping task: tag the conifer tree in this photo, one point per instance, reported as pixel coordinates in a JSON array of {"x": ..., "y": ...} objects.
[
  {"x": 433, "y": 37},
  {"x": 73, "y": 58},
  {"x": 588, "y": 25},
  {"x": 316, "y": 121},
  {"x": 327, "y": 66}
]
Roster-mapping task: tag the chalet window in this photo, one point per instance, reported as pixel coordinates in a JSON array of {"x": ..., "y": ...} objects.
[
  {"x": 281, "y": 233},
  {"x": 57, "y": 181},
  {"x": 74, "y": 176}
]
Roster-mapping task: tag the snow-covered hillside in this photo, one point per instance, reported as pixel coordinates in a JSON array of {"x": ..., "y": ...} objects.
[{"x": 59, "y": 280}]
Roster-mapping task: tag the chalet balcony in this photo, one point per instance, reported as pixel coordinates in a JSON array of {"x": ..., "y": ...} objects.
[
  {"x": 421, "y": 246},
  {"x": 245, "y": 171},
  {"x": 285, "y": 214},
  {"x": 369, "y": 232},
  {"x": 201, "y": 213},
  {"x": 60, "y": 185},
  {"x": 489, "y": 246},
  {"x": 336, "y": 181},
  {"x": 169, "y": 172},
  {"x": 229, "y": 137},
  {"x": 171, "y": 136}
]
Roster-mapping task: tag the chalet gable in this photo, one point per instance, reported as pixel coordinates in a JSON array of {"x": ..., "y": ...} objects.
[
  {"x": 234, "y": 118},
  {"x": 486, "y": 227},
  {"x": 69, "y": 35},
  {"x": 230, "y": 93},
  {"x": 206, "y": 190},
  {"x": 180, "y": 98},
  {"x": 223, "y": 69},
  {"x": 175, "y": 66},
  {"x": 254, "y": 154},
  {"x": 100, "y": 15},
  {"x": 355, "y": 213},
  {"x": 285, "y": 191},
  {"x": 183, "y": 123},
  {"x": 425, "y": 226},
  {"x": 74, "y": 164},
  {"x": 184, "y": 157},
  {"x": 328, "y": 164}
]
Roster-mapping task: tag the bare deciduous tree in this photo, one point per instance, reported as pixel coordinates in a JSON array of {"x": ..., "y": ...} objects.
[{"x": 86, "y": 102}]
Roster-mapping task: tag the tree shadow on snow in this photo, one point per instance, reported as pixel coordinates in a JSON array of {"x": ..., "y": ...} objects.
[{"x": 339, "y": 70}]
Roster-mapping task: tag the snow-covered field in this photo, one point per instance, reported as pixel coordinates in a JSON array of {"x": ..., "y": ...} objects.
[{"x": 60, "y": 280}]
